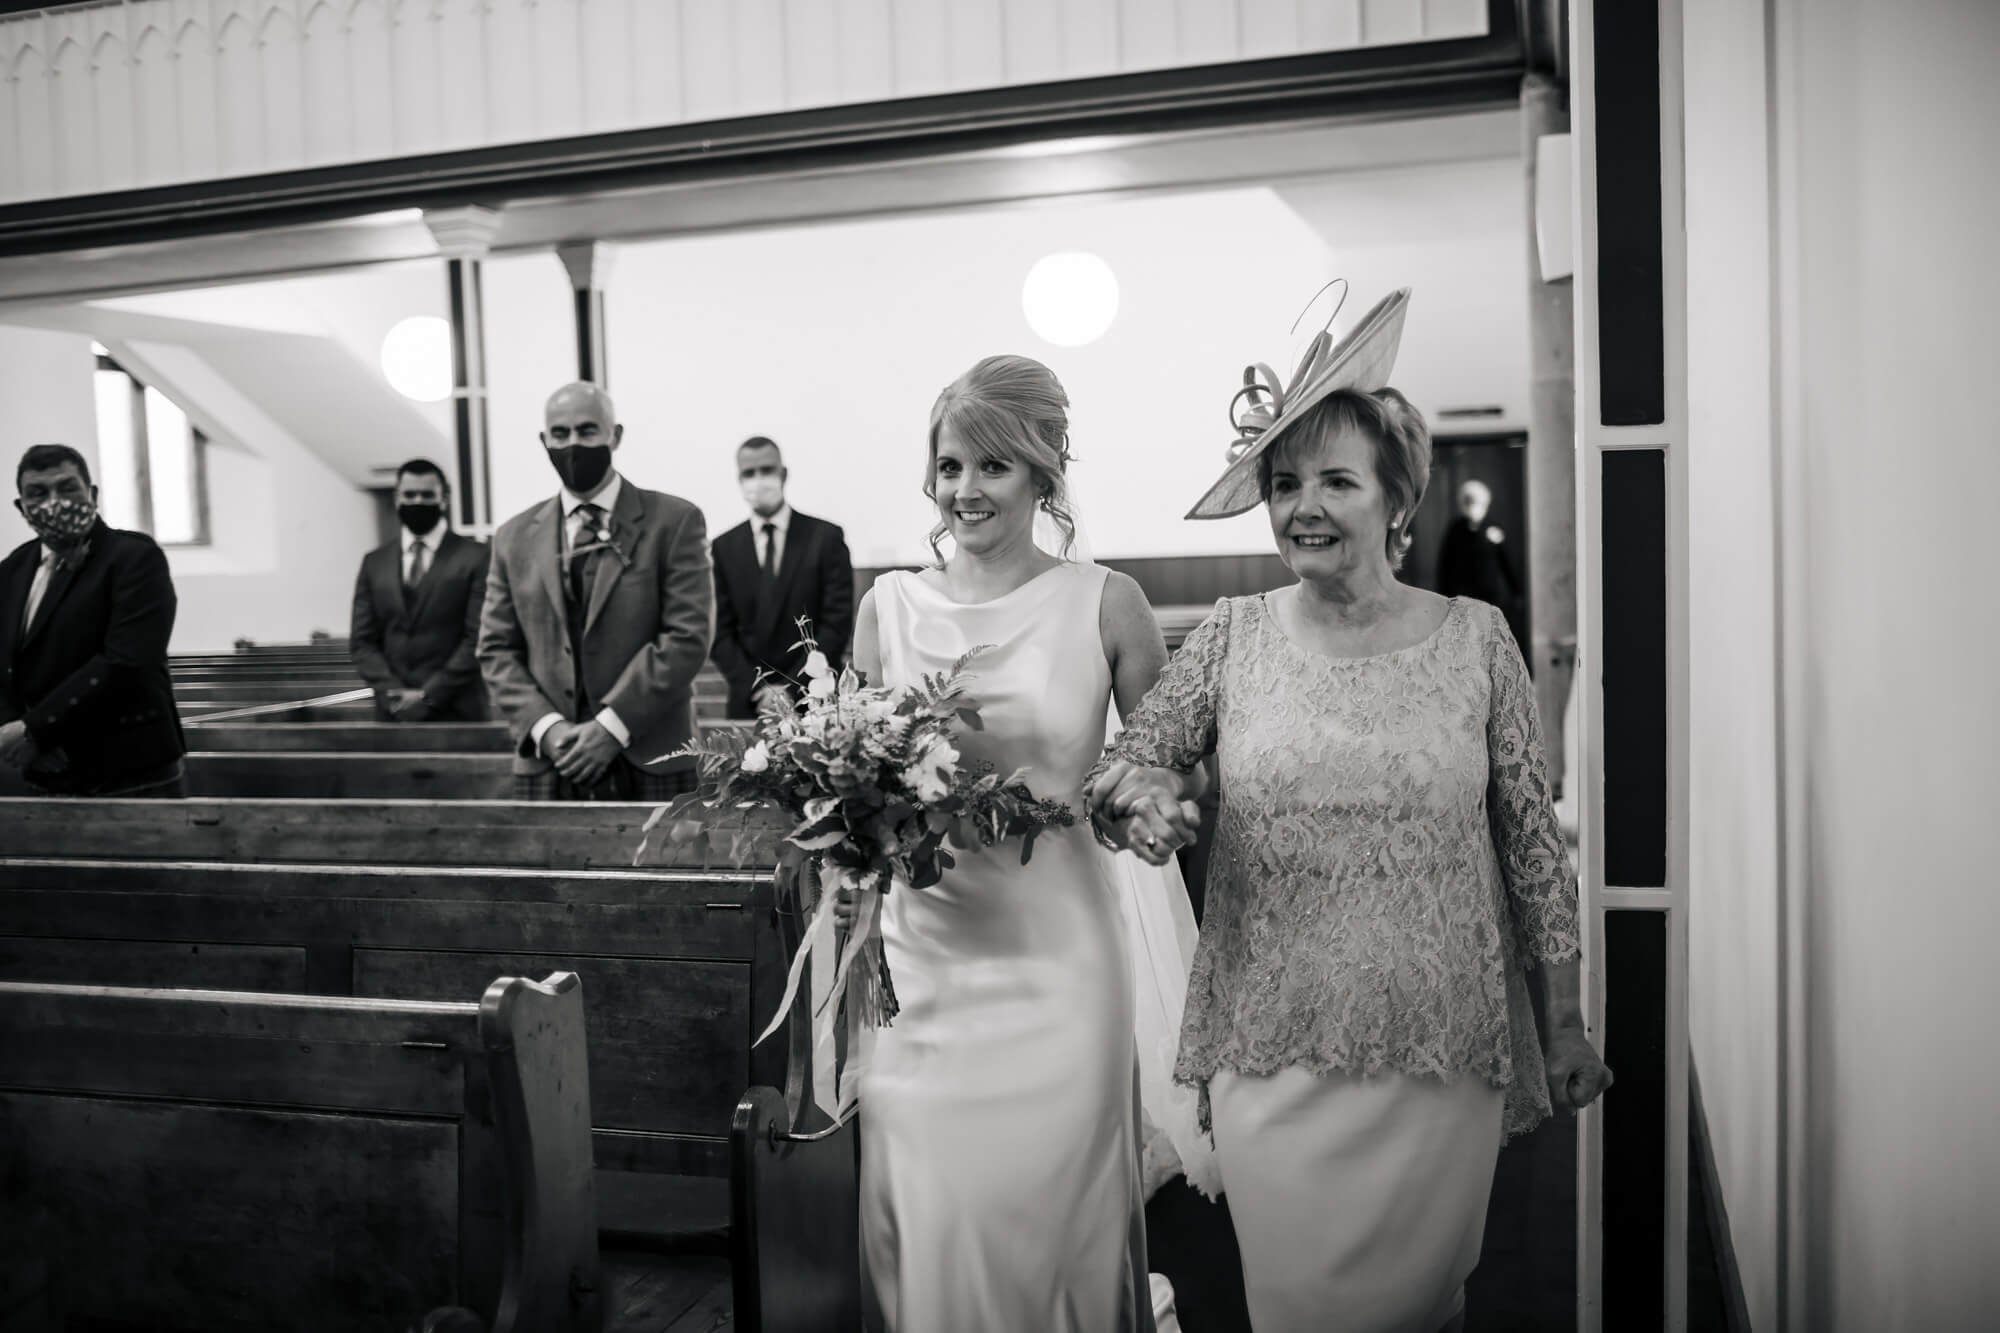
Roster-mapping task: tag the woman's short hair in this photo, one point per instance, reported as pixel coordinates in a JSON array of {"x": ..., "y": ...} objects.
[
  {"x": 1402, "y": 451},
  {"x": 1011, "y": 408}
]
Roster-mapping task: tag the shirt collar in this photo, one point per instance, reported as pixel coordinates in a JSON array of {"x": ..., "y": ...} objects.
[
  {"x": 606, "y": 499},
  {"x": 782, "y": 521},
  {"x": 430, "y": 539}
]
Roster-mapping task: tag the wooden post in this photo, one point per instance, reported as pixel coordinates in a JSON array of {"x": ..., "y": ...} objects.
[
  {"x": 587, "y": 263},
  {"x": 464, "y": 236},
  {"x": 1551, "y": 441}
]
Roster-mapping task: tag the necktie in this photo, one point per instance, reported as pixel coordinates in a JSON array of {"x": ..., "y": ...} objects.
[
  {"x": 44, "y": 572},
  {"x": 770, "y": 553},
  {"x": 419, "y": 565},
  {"x": 588, "y": 534}
]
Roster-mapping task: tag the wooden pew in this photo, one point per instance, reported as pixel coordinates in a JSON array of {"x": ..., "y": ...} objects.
[
  {"x": 230, "y": 1162},
  {"x": 238, "y": 710},
  {"x": 546, "y": 834},
  {"x": 339, "y": 776},
  {"x": 262, "y": 692},
  {"x": 794, "y": 1221},
  {"x": 794, "y": 1195},
  {"x": 365, "y": 737},
  {"x": 683, "y": 968}
]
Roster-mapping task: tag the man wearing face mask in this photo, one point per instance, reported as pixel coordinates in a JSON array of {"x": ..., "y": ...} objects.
[
  {"x": 770, "y": 572},
  {"x": 599, "y": 612},
  {"x": 1473, "y": 560},
  {"x": 416, "y": 609},
  {"x": 86, "y": 610}
]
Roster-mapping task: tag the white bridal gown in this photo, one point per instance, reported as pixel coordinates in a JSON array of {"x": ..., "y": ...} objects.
[{"x": 999, "y": 1112}]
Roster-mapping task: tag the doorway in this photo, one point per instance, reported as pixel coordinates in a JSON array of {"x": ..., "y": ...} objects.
[{"x": 1500, "y": 573}]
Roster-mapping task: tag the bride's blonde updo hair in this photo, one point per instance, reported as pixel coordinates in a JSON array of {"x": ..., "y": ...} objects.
[{"x": 1010, "y": 408}]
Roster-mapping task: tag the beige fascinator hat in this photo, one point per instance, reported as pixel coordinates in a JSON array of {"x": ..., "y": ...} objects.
[{"x": 1264, "y": 408}]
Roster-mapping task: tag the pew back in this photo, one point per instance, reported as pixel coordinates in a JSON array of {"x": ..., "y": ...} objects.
[
  {"x": 555, "y": 835},
  {"x": 226, "y": 1161},
  {"x": 683, "y": 966}
]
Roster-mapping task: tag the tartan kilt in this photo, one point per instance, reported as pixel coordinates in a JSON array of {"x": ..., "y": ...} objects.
[{"x": 623, "y": 781}]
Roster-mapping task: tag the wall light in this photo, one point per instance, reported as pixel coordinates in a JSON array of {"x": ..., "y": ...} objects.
[
  {"x": 416, "y": 357},
  {"x": 1070, "y": 298}
]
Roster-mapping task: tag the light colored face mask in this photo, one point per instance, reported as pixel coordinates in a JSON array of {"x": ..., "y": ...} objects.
[{"x": 763, "y": 493}]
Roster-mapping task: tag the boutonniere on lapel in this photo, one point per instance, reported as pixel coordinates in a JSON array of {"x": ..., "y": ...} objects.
[{"x": 608, "y": 544}]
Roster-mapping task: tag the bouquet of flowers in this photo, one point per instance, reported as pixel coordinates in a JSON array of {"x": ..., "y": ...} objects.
[{"x": 879, "y": 799}]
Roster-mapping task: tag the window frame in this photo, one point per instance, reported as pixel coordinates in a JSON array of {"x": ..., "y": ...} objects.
[{"x": 142, "y": 460}]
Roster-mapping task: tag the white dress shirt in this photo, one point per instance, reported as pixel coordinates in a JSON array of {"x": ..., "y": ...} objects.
[
  {"x": 36, "y": 590},
  {"x": 573, "y": 518},
  {"x": 430, "y": 541}
]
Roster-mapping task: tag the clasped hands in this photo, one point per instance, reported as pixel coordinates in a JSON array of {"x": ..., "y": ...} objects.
[
  {"x": 17, "y": 747},
  {"x": 582, "y": 751},
  {"x": 1140, "y": 809},
  {"x": 407, "y": 705}
]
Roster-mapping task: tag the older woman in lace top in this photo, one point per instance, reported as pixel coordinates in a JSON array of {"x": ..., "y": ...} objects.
[{"x": 1386, "y": 866}]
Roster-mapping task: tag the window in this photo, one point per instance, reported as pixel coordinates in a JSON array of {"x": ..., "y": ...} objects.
[{"x": 151, "y": 460}]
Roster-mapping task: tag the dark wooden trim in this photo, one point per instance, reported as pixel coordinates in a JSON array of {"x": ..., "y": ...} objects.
[
  {"x": 1631, "y": 254},
  {"x": 1405, "y": 80},
  {"x": 1736, "y": 1307},
  {"x": 1633, "y": 603},
  {"x": 1635, "y": 1119}
]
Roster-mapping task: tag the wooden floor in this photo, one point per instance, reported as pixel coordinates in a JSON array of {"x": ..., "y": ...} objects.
[{"x": 666, "y": 1293}]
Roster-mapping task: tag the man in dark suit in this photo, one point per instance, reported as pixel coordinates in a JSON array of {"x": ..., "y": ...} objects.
[
  {"x": 599, "y": 611},
  {"x": 416, "y": 609},
  {"x": 86, "y": 610},
  {"x": 1473, "y": 560},
  {"x": 771, "y": 571}
]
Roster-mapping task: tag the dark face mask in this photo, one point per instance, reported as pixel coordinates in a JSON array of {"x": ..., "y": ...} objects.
[
  {"x": 62, "y": 523},
  {"x": 581, "y": 466},
  {"x": 420, "y": 519}
]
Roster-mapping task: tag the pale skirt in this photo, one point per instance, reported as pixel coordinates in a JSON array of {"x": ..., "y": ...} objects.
[{"x": 1359, "y": 1203}]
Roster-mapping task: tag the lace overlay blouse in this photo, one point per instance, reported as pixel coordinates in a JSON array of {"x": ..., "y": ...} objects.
[{"x": 1386, "y": 857}]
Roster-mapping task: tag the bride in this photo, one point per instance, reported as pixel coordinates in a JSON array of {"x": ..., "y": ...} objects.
[{"x": 1001, "y": 1126}]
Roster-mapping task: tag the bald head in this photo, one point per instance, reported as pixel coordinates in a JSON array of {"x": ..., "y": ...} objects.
[
  {"x": 580, "y": 413},
  {"x": 580, "y": 430},
  {"x": 576, "y": 403},
  {"x": 1474, "y": 500}
]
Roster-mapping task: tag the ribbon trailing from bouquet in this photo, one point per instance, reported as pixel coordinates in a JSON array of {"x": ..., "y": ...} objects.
[{"x": 832, "y": 958}]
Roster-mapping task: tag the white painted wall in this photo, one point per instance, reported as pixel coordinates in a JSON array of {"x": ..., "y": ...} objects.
[
  {"x": 835, "y": 339},
  {"x": 1871, "y": 373},
  {"x": 133, "y": 93},
  {"x": 1897, "y": 284},
  {"x": 335, "y": 398},
  {"x": 530, "y": 352},
  {"x": 1733, "y": 944},
  {"x": 45, "y": 398},
  {"x": 288, "y": 528}
]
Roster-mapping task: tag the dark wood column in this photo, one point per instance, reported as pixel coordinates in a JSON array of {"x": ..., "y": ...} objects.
[{"x": 587, "y": 263}]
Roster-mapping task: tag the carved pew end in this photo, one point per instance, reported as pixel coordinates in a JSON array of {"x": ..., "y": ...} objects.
[{"x": 794, "y": 1227}]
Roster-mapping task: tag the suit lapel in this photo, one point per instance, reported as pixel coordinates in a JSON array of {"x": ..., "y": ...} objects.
[
  {"x": 628, "y": 522},
  {"x": 545, "y": 543},
  {"x": 386, "y": 578},
  {"x": 446, "y": 548},
  {"x": 771, "y": 600},
  {"x": 15, "y": 578},
  {"x": 65, "y": 574}
]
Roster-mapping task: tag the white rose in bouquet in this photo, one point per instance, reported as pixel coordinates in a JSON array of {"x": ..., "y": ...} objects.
[{"x": 929, "y": 775}]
